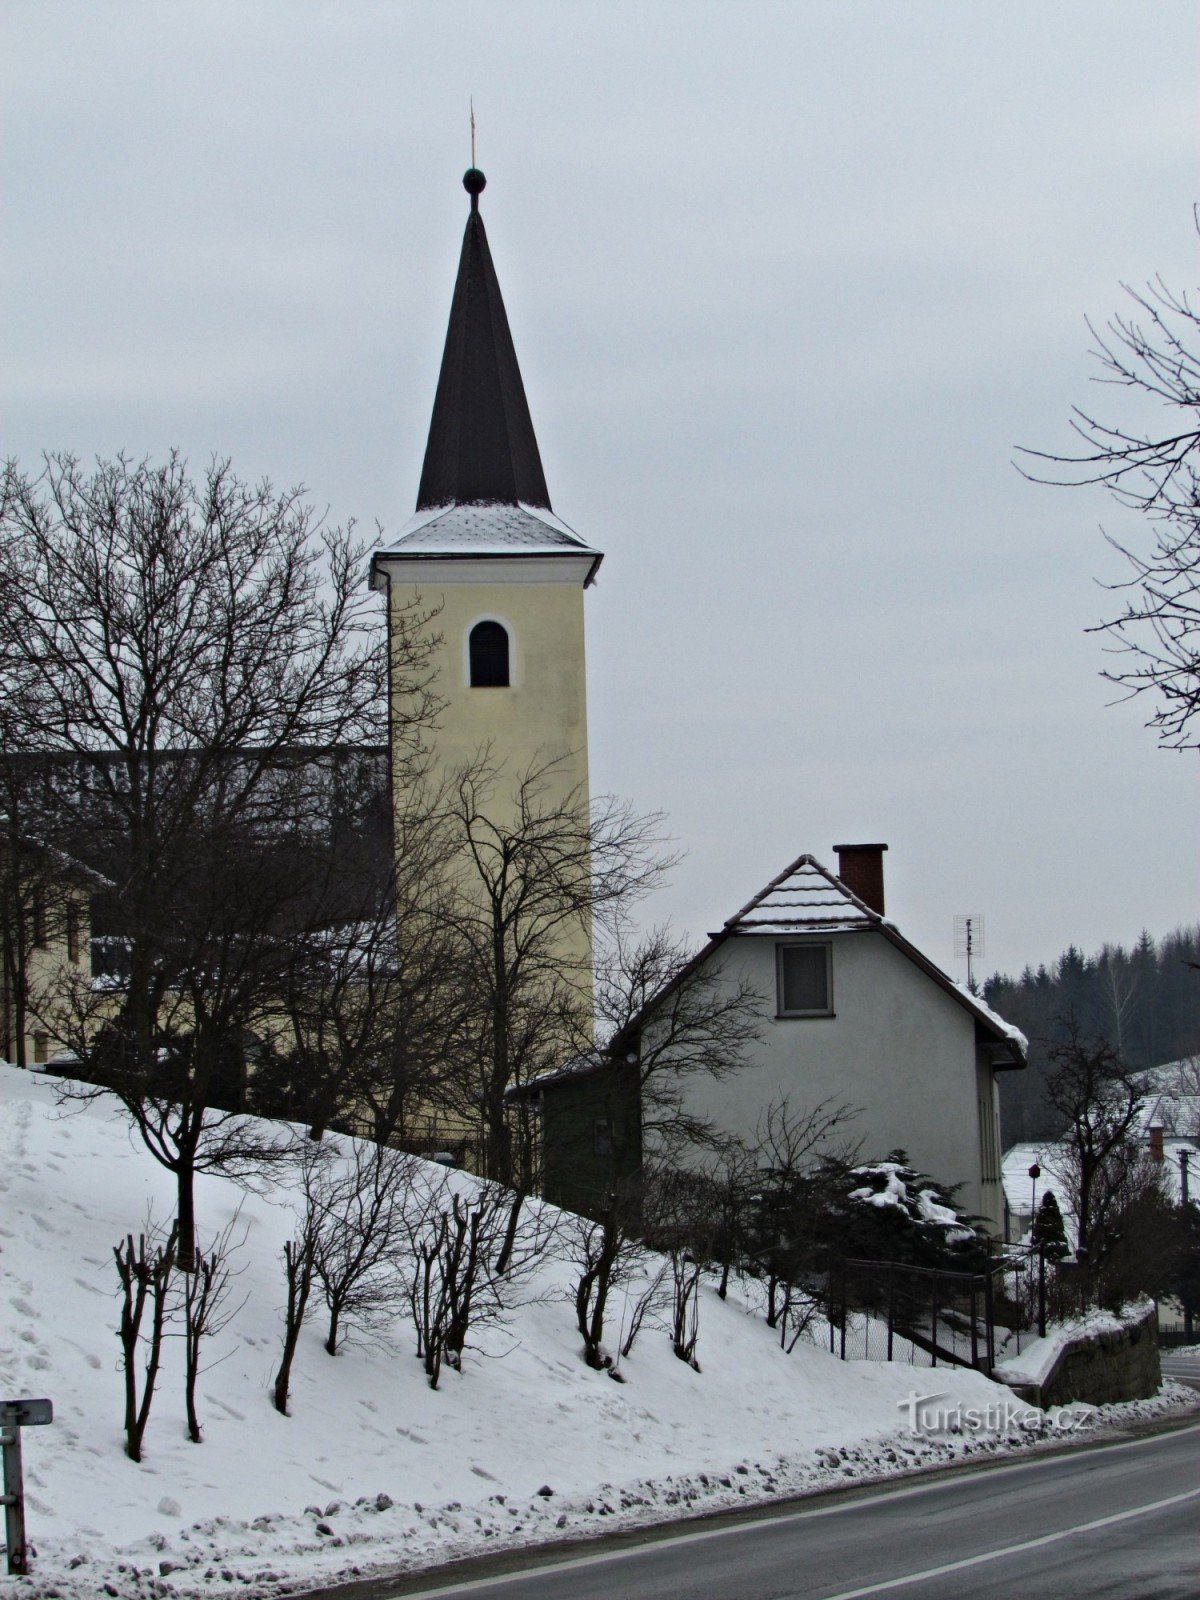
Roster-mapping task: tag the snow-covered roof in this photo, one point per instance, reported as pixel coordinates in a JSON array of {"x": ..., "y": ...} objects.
[
  {"x": 1053, "y": 1157},
  {"x": 1172, "y": 1097},
  {"x": 1050, "y": 1156},
  {"x": 470, "y": 531},
  {"x": 486, "y": 530}
]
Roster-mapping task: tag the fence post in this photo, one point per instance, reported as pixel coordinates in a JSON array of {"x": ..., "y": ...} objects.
[
  {"x": 974, "y": 1327},
  {"x": 989, "y": 1312},
  {"x": 1041, "y": 1290},
  {"x": 934, "y": 1319},
  {"x": 829, "y": 1306},
  {"x": 843, "y": 1349},
  {"x": 891, "y": 1320}
]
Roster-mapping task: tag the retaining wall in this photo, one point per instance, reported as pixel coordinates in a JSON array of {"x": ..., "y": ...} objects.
[{"x": 1103, "y": 1367}]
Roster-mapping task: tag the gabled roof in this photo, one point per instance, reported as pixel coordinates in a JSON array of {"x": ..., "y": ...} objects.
[
  {"x": 806, "y": 898},
  {"x": 482, "y": 448}
]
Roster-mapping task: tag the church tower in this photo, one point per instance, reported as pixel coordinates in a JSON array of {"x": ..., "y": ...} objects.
[{"x": 485, "y": 549}]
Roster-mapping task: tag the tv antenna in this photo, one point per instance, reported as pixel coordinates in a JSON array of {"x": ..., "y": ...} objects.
[{"x": 968, "y": 941}]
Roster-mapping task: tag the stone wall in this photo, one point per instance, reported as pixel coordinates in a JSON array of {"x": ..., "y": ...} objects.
[{"x": 1103, "y": 1367}]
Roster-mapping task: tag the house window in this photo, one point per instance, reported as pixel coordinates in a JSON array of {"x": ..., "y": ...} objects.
[
  {"x": 488, "y": 651},
  {"x": 41, "y": 1048},
  {"x": 602, "y": 1140},
  {"x": 803, "y": 980},
  {"x": 73, "y": 921}
]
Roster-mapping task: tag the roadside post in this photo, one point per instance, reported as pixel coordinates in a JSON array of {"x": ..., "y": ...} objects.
[
  {"x": 1189, "y": 1331},
  {"x": 15, "y": 1415}
]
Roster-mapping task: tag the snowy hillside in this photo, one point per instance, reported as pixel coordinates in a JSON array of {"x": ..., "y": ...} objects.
[{"x": 373, "y": 1469}]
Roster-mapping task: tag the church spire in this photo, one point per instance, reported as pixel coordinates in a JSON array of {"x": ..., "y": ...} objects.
[{"x": 482, "y": 448}]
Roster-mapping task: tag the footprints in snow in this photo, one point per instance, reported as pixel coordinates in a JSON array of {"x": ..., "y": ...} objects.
[{"x": 213, "y": 1400}]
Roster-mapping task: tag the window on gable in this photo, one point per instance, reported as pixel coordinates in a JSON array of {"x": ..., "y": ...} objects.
[
  {"x": 803, "y": 977},
  {"x": 488, "y": 650}
]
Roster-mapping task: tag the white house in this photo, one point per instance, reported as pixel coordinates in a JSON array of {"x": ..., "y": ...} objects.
[{"x": 851, "y": 1012}]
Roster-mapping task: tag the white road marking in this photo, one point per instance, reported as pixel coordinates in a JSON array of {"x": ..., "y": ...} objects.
[
  {"x": 702, "y": 1535},
  {"x": 1011, "y": 1549}
]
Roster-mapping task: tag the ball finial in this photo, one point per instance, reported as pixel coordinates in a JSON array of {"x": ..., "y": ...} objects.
[{"x": 474, "y": 183}]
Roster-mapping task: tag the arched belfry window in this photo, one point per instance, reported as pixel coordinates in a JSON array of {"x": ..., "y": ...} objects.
[{"x": 488, "y": 646}]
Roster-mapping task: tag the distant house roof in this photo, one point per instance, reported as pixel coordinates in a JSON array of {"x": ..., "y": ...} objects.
[
  {"x": 60, "y": 863},
  {"x": 1053, "y": 1157},
  {"x": 1172, "y": 1098}
]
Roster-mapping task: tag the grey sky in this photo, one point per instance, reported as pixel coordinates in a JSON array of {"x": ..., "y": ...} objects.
[{"x": 787, "y": 283}]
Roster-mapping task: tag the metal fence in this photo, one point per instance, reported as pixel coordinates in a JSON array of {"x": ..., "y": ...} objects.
[{"x": 890, "y": 1311}]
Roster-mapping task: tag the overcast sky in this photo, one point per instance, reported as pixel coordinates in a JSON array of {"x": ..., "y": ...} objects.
[{"x": 787, "y": 282}]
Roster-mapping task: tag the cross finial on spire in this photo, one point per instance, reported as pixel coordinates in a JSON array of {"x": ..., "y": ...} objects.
[{"x": 473, "y": 180}]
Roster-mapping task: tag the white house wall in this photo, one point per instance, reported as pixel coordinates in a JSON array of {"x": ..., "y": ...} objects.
[{"x": 897, "y": 1046}]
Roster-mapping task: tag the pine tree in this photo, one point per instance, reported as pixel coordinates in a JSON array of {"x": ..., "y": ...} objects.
[{"x": 1048, "y": 1230}]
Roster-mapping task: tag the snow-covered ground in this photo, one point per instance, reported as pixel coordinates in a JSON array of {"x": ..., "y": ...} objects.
[{"x": 373, "y": 1471}]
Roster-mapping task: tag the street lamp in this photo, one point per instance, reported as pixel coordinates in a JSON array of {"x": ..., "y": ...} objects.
[{"x": 1035, "y": 1173}]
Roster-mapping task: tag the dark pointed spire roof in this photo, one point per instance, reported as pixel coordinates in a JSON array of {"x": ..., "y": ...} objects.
[{"x": 482, "y": 448}]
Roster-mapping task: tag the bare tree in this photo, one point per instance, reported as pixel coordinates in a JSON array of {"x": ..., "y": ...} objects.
[
  {"x": 170, "y": 645},
  {"x": 648, "y": 1303},
  {"x": 535, "y": 868},
  {"x": 206, "y": 1310},
  {"x": 370, "y": 993},
  {"x": 145, "y": 1271},
  {"x": 734, "y": 1183},
  {"x": 299, "y": 1256},
  {"x": 604, "y": 1253},
  {"x": 681, "y": 1216},
  {"x": 1097, "y": 1100},
  {"x": 298, "y": 1271},
  {"x": 786, "y": 1242},
  {"x": 454, "y": 1287},
  {"x": 359, "y": 1205},
  {"x": 1153, "y": 470},
  {"x": 676, "y": 1019}
]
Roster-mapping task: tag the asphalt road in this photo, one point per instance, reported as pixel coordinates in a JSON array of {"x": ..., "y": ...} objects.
[
  {"x": 1118, "y": 1522},
  {"x": 1183, "y": 1368}
]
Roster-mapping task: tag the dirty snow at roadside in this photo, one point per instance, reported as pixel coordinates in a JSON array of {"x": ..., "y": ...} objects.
[{"x": 374, "y": 1472}]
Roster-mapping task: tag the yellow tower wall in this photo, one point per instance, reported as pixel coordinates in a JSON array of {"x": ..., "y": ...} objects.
[{"x": 543, "y": 714}]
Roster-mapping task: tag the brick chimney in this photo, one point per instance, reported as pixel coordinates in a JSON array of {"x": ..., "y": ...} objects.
[
  {"x": 1156, "y": 1142},
  {"x": 860, "y": 867}
]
